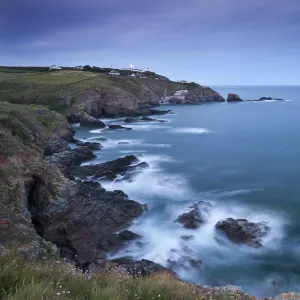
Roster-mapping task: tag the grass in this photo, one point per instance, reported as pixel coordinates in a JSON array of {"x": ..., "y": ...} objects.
[
  {"x": 63, "y": 90},
  {"x": 22, "y": 279}
]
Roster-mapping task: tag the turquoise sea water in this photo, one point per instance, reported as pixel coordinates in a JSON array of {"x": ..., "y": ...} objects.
[{"x": 244, "y": 158}]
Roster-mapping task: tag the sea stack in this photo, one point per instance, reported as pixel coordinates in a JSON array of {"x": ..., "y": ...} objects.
[{"x": 233, "y": 98}]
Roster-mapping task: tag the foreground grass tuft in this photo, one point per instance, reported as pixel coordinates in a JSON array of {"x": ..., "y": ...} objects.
[{"x": 22, "y": 279}]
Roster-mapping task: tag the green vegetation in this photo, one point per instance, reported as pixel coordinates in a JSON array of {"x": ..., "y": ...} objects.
[
  {"x": 63, "y": 89},
  {"x": 49, "y": 279}
]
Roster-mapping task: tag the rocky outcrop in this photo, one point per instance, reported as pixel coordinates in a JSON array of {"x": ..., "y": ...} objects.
[
  {"x": 268, "y": 98},
  {"x": 66, "y": 161},
  {"x": 88, "y": 121},
  {"x": 121, "y": 168},
  {"x": 196, "y": 215},
  {"x": 234, "y": 98},
  {"x": 39, "y": 207},
  {"x": 90, "y": 145},
  {"x": 86, "y": 225},
  {"x": 114, "y": 127},
  {"x": 143, "y": 119},
  {"x": 243, "y": 232},
  {"x": 195, "y": 94}
]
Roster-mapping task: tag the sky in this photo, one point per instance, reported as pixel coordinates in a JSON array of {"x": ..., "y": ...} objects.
[{"x": 212, "y": 42}]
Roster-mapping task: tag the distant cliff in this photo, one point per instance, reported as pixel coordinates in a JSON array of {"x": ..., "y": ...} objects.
[{"x": 97, "y": 94}]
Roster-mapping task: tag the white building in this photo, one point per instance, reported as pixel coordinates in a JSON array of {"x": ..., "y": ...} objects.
[
  {"x": 79, "y": 68},
  {"x": 133, "y": 68},
  {"x": 114, "y": 72},
  {"x": 54, "y": 67}
]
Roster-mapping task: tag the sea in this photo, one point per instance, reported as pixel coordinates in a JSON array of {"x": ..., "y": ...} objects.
[{"x": 243, "y": 158}]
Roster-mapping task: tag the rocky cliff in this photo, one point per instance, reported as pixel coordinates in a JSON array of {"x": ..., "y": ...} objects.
[
  {"x": 98, "y": 94},
  {"x": 39, "y": 206}
]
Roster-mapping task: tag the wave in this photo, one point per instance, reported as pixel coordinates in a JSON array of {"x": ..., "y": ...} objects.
[
  {"x": 146, "y": 127},
  {"x": 191, "y": 130}
]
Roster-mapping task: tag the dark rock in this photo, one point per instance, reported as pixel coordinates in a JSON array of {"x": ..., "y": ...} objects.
[
  {"x": 195, "y": 262},
  {"x": 89, "y": 121},
  {"x": 123, "y": 143},
  {"x": 110, "y": 170},
  {"x": 269, "y": 98},
  {"x": 130, "y": 120},
  {"x": 100, "y": 139},
  {"x": 129, "y": 235},
  {"x": 118, "y": 127},
  {"x": 243, "y": 232},
  {"x": 55, "y": 145},
  {"x": 187, "y": 237},
  {"x": 87, "y": 225},
  {"x": 152, "y": 120},
  {"x": 66, "y": 161},
  {"x": 233, "y": 98},
  {"x": 73, "y": 118},
  {"x": 90, "y": 145},
  {"x": 196, "y": 216},
  {"x": 146, "y": 207}
]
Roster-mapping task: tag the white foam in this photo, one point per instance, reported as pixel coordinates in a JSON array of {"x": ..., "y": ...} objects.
[
  {"x": 191, "y": 130},
  {"x": 147, "y": 127},
  {"x": 152, "y": 181},
  {"x": 97, "y": 130}
]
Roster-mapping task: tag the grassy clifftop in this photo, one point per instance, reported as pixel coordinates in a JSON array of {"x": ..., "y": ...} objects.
[
  {"x": 30, "y": 280},
  {"x": 70, "y": 91}
]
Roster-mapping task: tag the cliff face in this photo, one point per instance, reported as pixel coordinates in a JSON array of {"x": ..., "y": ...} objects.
[
  {"x": 98, "y": 94},
  {"x": 38, "y": 205}
]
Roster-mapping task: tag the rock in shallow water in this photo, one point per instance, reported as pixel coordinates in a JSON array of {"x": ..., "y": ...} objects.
[
  {"x": 243, "y": 232},
  {"x": 118, "y": 127},
  {"x": 126, "y": 166},
  {"x": 88, "y": 121},
  {"x": 233, "y": 98},
  {"x": 196, "y": 216}
]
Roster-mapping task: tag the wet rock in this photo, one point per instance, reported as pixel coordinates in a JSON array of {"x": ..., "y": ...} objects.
[
  {"x": 66, "y": 161},
  {"x": 130, "y": 120},
  {"x": 100, "y": 139},
  {"x": 153, "y": 111},
  {"x": 233, "y": 98},
  {"x": 196, "y": 215},
  {"x": 152, "y": 120},
  {"x": 90, "y": 145},
  {"x": 187, "y": 237},
  {"x": 269, "y": 98},
  {"x": 118, "y": 127},
  {"x": 196, "y": 263},
  {"x": 123, "y": 143},
  {"x": 129, "y": 235},
  {"x": 126, "y": 166},
  {"x": 243, "y": 232},
  {"x": 88, "y": 121},
  {"x": 88, "y": 224}
]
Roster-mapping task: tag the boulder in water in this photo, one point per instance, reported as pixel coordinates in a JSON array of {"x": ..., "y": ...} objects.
[
  {"x": 196, "y": 215},
  {"x": 243, "y": 232},
  {"x": 233, "y": 98},
  {"x": 88, "y": 121},
  {"x": 118, "y": 127}
]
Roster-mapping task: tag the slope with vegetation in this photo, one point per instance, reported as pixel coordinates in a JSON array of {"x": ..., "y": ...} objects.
[{"x": 99, "y": 94}]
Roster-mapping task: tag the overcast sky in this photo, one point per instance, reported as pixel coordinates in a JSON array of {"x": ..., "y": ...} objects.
[{"x": 213, "y": 42}]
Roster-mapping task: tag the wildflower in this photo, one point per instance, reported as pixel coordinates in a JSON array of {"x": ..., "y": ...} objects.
[
  {"x": 68, "y": 292},
  {"x": 60, "y": 286},
  {"x": 57, "y": 294}
]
